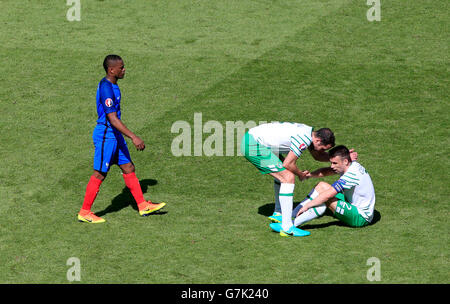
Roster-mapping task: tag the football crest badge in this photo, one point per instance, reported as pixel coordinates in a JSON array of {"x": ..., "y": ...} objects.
[{"x": 109, "y": 102}]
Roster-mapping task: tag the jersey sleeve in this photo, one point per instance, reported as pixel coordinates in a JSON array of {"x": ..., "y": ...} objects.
[
  {"x": 346, "y": 181},
  {"x": 299, "y": 143},
  {"x": 107, "y": 98}
]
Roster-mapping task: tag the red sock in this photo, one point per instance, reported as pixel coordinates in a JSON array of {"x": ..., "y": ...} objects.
[
  {"x": 132, "y": 183},
  {"x": 91, "y": 193}
]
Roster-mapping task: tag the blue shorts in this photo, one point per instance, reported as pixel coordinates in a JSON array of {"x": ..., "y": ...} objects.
[{"x": 110, "y": 149}]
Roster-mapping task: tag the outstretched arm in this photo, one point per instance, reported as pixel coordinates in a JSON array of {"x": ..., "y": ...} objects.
[
  {"x": 324, "y": 157},
  {"x": 322, "y": 172},
  {"x": 321, "y": 156}
]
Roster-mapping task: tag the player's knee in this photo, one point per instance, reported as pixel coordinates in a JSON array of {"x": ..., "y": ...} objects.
[
  {"x": 99, "y": 175},
  {"x": 287, "y": 177},
  {"x": 127, "y": 168}
]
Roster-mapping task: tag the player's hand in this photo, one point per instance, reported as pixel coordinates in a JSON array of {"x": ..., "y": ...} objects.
[
  {"x": 353, "y": 154},
  {"x": 303, "y": 209},
  {"x": 138, "y": 143},
  {"x": 305, "y": 175}
]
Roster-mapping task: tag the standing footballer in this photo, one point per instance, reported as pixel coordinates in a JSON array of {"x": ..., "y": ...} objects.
[
  {"x": 262, "y": 146},
  {"x": 110, "y": 145}
]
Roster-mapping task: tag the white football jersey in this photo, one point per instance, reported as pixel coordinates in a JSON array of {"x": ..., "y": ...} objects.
[
  {"x": 357, "y": 187},
  {"x": 283, "y": 137}
]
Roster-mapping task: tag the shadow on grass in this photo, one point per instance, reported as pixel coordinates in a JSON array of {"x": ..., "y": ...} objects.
[
  {"x": 126, "y": 199},
  {"x": 267, "y": 210}
]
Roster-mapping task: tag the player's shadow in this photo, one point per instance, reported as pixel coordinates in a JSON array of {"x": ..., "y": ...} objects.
[
  {"x": 267, "y": 210},
  {"x": 126, "y": 199}
]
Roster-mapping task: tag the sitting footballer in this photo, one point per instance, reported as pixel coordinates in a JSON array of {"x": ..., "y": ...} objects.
[{"x": 351, "y": 198}]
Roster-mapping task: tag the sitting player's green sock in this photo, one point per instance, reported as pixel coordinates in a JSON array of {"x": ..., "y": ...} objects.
[
  {"x": 309, "y": 215},
  {"x": 311, "y": 195}
]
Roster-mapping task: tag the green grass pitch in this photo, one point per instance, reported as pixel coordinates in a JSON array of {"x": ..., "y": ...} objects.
[{"x": 381, "y": 86}]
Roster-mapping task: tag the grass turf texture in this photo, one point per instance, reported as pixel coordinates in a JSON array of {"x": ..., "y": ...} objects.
[{"x": 381, "y": 86}]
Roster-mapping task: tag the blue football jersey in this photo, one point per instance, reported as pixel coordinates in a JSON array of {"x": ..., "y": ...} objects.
[{"x": 108, "y": 101}]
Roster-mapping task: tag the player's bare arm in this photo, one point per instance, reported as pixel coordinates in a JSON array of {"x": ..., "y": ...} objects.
[
  {"x": 121, "y": 127},
  {"x": 290, "y": 163},
  {"x": 322, "y": 172},
  {"x": 321, "y": 156}
]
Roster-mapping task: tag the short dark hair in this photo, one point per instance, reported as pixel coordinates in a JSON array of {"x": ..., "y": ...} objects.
[
  {"x": 341, "y": 151},
  {"x": 326, "y": 136},
  {"x": 109, "y": 59}
]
